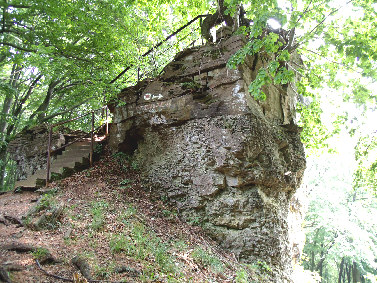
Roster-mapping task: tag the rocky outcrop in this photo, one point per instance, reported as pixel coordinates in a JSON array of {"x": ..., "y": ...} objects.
[
  {"x": 29, "y": 149},
  {"x": 224, "y": 159}
]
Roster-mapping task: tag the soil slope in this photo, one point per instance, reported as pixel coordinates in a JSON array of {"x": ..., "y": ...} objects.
[{"x": 103, "y": 225}]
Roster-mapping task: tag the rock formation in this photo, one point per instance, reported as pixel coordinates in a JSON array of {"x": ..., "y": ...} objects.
[
  {"x": 29, "y": 149},
  {"x": 221, "y": 157}
]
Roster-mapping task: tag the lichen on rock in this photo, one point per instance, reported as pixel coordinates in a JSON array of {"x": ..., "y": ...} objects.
[{"x": 215, "y": 152}]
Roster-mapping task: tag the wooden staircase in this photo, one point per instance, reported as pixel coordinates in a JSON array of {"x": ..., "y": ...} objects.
[{"x": 74, "y": 158}]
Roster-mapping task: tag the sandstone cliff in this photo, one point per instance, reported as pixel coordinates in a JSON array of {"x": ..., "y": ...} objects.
[{"x": 224, "y": 159}]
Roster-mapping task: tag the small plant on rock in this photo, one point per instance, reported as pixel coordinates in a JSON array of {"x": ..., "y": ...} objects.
[
  {"x": 46, "y": 201},
  {"x": 194, "y": 220},
  {"x": 40, "y": 253}
]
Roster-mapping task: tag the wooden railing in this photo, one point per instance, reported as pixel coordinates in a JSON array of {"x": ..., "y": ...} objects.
[{"x": 91, "y": 134}]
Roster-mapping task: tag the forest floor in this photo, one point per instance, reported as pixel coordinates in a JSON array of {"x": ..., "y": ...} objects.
[{"x": 102, "y": 222}]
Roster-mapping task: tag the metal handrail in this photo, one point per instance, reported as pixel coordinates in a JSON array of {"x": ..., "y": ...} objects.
[
  {"x": 52, "y": 126},
  {"x": 158, "y": 45}
]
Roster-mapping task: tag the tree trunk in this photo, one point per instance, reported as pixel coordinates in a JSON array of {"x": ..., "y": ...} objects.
[
  {"x": 341, "y": 271},
  {"x": 321, "y": 260},
  {"x": 40, "y": 113},
  {"x": 355, "y": 274},
  {"x": 320, "y": 269},
  {"x": 7, "y": 105},
  {"x": 19, "y": 107},
  {"x": 3, "y": 164},
  {"x": 348, "y": 272},
  {"x": 312, "y": 261}
]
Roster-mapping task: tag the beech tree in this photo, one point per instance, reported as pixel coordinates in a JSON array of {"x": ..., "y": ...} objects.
[{"x": 58, "y": 57}]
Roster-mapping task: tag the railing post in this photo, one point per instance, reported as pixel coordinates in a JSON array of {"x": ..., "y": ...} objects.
[
  {"x": 49, "y": 154},
  {"x": 200, "y": 25},
  {"x": 107, "y": 122},
  {"x": 92, "y": 141}
]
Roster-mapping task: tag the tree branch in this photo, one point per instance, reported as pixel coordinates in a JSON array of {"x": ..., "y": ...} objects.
[
  {"x": 19, "y": 6},
  {"x": 9, "y": 30},
  {"x": 17, "y": 47},
  {"x": 290, "y": 39},
  {"x": 319, "y": 24},
  {"x": 334, "y": 62},
  {"x": 304, "y": 12},
  {"x": 27, "y": 95},
  {"x": 63, "y": 87},
  {"x": 70, "y": 280},
  {"x": 46, "y": 102},
  {"x": 65, "y": 111},
  {"x": 4, "y": 13}
]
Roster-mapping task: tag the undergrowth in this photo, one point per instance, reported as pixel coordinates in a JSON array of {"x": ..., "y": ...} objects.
[
  {"x": 98, "y": 210},
  {"x": 141, "y": 244},
  {"x": 207, "y": 259}
]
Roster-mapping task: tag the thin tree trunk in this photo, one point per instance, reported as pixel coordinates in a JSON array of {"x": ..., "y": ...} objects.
[
  {"x": 19, "y": 108},
  {"x": 355, "y": 273},
  {"x": 3, "y": 164},
  {"x": 40, "y": 112},
  {"x": 341, "y": 271},
  {"x": 320, "y": 263},
  {"x": 348, "y": 272},
  {"x": 312, "y": 261},
  {"x": 7, "y": 106}
]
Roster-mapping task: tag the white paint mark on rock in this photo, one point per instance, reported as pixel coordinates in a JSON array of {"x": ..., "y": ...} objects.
[{"x": 158, "y": 120}]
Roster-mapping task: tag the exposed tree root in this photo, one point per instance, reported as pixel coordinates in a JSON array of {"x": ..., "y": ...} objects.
[
  {"x": 76, "y": 280},
  {"x": 45, "y": 256},
  {"x": 52, "y": 275},
  {"x": 13, "y": 267},
  {"x": 13, "y": 220},
  {"x": 19, "y": 247},
  {"x": 83, "y": 266},
  {"x": 130, "y": 271}
]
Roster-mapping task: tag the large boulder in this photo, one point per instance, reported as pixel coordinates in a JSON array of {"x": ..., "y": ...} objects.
[{"x": 224, "y": 159}]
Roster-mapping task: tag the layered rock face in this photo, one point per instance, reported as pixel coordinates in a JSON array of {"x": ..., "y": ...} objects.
[
  {"x": 224, "y": 159},
  {"x": 29, "y": 149}
]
